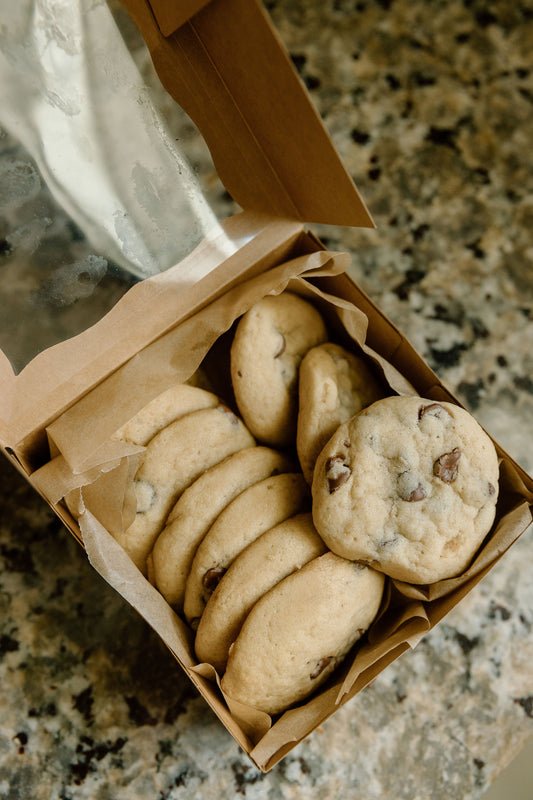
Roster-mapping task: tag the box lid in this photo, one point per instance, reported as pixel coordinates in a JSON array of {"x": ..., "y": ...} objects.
[{"x": 225, "y": 65}]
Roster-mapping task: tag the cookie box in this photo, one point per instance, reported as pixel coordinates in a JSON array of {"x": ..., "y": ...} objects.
[{"x": 58, "y": 416}]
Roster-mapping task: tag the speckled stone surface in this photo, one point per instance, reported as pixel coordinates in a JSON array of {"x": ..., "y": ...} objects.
[{"x": 431, "y": 107}]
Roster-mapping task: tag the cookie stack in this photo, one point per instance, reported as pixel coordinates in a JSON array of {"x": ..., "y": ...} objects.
[{"x": 273, "y": 532}]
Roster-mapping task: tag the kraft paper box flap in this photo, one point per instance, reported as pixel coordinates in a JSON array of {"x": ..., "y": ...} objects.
[
  {"x": 68, "y": 370},
  {"x": 227, "y": 68},
  {"x": 7, "y": 382},
  {"x": 170, "y": 16}
]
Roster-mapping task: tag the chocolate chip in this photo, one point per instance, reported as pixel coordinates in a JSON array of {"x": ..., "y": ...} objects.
[
  {"x": 419, "y": 493},
  {"x": 337, "y": 472},
  {"x": 446, "y": 466},
  {"x": 321, "y": 666},
  {"x": 212, "y": 578},
  {"x": 431, "y": 408},
  {"x": 347, "y": 443},
  {"x": 281, "y": 348},
  {"x": 409, "y": 487},
  {"x": 492, "y": 489}
]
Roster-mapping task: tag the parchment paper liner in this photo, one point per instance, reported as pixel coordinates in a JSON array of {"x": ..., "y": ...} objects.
[{"x": 99, "y": 471}]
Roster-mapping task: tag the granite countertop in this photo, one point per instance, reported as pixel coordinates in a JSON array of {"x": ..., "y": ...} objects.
[{"x": 431, "y": 108}]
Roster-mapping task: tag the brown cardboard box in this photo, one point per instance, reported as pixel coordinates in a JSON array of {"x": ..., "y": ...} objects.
[{"x": 57, "y": 416}]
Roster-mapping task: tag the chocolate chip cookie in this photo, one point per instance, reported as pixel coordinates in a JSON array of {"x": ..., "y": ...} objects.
[
  {"x": 253, "y": 512},
  {"x": 299, "y": 631},
  {"x": 197, "y": 509},
  {"x": 269, "y": 344},
  {"x": 173, "y": 459},
  {"x": 176, "y": 402},
  {"x": 334, "y": 385},
  {"x": 260, "y": 566},
  {"x": 409, "y": 486}
]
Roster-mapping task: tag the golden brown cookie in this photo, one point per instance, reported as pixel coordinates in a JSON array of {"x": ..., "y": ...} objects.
[
  {"x": 253, "y": 512},
  {"x": 334, "y": 385},
  {"x": 173, "y": 459},
  {"x": 408, "y": 485},
  {"x": 197, "y": 509},
  {"x": 269, "y": 344},
  {"x": 177, "y": 401},
  {"x": 298, "y": 632},
  {"x": 264, "y": 563}
]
